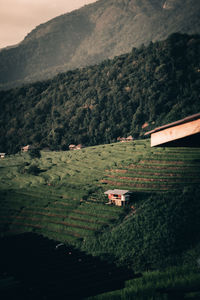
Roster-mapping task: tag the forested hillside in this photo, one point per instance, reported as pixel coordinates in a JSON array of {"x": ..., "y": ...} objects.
[
  {"x": 93, "y": 33},
  {"x": 155, "y": 84}
]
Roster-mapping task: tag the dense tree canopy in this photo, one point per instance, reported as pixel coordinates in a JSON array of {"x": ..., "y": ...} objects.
[{"x": 155, "y": 84}]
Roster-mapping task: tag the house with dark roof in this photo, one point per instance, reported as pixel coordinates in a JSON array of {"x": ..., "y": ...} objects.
[{"x": 182, "y": 133}]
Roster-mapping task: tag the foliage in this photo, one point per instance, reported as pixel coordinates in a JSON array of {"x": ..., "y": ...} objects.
[
  {"x": 65, "y": 202},
  {"x": 94, "y": 105},
  {"x": 152, "y": 285},
  {"x": 160, "y": 232},
  {"x": 34, "y": 153},
  {"x": 33, "y": 169}
]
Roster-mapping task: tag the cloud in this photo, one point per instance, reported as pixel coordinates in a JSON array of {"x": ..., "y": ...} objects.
[{"x": 19, "y": 17}]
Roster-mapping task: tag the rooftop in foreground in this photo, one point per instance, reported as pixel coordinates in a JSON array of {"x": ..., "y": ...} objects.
[{"x": 182, "y": 133}]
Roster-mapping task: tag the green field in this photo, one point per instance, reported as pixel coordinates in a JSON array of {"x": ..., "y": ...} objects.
[{"x": 65, "y": 200}]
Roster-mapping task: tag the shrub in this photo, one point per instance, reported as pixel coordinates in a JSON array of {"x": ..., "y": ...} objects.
[
  {"x": 34, "y": 153},
  {"x": 33, "y": 170}
]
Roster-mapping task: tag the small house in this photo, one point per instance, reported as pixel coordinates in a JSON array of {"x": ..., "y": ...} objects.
[
  {"x": 79, "y": 146},
  {"x": 182, "y": 133},
  {"x": 72, "y": 147},
  {"x": 118, "y": 197},
  {"x": 121, "y": 139},
  {"x": 125, "y": 139},
  {"x": 2, "y": 155},
  {"x": 75, "y": 147},
  {"x": 27, "y": 148},
  {"x": 129, "y": 138}
]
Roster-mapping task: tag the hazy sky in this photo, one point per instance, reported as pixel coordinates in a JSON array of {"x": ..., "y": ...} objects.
[{"x": 19, "y": 17}]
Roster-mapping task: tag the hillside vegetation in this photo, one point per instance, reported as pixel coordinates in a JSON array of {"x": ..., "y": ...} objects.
[
  {"x": 64, "y": 199},
  {"x": 95, "y": 105},
  {"x": 61, "y": 196},
  {"x": 94, "y": 33}
]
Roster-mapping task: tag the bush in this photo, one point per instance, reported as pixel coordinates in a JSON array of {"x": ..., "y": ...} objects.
[
  {"x": 34, "y": 153},
  {"x": 33, "y": 170}
]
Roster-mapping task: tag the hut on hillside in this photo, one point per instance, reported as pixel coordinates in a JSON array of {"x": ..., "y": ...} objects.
[
  {"x": 129, "y": 138},
  {"x": 27, "y": 148},
  {"x": 118, "y": 197},
  {"x": 182, "y": 133},
  {"x": 125, "y": 139},
  {"x": 2, "y": 155},
  {"x": 79, "y": 146},
  {"x": 76, "y": 147},
  {"x": 72, "y": 147}
]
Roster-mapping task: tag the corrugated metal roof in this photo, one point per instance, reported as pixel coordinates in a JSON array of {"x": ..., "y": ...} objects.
[
  {"x": 182, "y": 121},
  {"x": 117, "y": 192}
]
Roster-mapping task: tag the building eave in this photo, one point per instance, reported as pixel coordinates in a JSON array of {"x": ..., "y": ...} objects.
[{"x": 179, "y": 122}]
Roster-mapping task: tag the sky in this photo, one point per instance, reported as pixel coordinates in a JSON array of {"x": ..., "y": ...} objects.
[{"x": 19, "y": 17}]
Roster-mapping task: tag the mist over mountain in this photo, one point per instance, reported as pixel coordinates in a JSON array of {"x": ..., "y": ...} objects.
[{"x": 93, "y": 33}]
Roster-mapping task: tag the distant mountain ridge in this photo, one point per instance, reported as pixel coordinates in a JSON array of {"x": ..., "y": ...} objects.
[{"x": 93, "y": 33}]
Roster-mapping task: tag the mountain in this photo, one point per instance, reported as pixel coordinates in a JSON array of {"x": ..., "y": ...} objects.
[
  {"x": 93, "y": 33},
  {"x": 156, "y": 84}
]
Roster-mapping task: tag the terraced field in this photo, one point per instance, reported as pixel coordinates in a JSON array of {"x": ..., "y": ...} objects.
[
  {"x": 67, "y": 220},
  {"x": 161, "y": 170},
  {"x": 65, "y": 201}
]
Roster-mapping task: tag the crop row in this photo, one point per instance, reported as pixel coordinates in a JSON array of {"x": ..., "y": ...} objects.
[
  {"x": 100, "y": 208},
  {"x": 140, "y": 186},
  {"x": 73, "y": 220},
  {"x": 164, "y": 162},
  {"x": 148, "y": 172},
  {"x": 89, "y": 217},
  {"x": 155, "y": 179},
  {"x": 148, "y": 182},
  {"x": 50, "y": 224},
  {"x": 60, "y": 235}
]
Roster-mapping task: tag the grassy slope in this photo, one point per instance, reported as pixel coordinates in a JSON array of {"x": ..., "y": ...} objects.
[
  {"x": 55, "y": 198},
  {"x": 65, "y": 201}
]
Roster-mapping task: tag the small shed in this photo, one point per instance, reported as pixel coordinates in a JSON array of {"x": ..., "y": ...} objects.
[
  {"x": 2, "y": 155},
  {"x": 76, "y": 147},
  {"x": 79, "y": 146},
  {"x": 27, "y": 148},
  {"x": 125, "y": 139},
  {"x": 72, "y": 147},
  {"x": 118, "y": 197},
  {"x": 129, "y": 138},
  {"x": 182, "y": 133}
]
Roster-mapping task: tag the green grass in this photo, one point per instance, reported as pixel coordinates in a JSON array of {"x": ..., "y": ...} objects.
[
  {"x": 69, "y": 186},
  {"x": 65, "y": 201},
  {"x": 152, "y": 285}
]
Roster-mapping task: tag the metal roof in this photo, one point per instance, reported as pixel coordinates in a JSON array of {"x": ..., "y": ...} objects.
[
  {"x": 117, "y": 192},
  {"x": 179, "y": 122}
]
